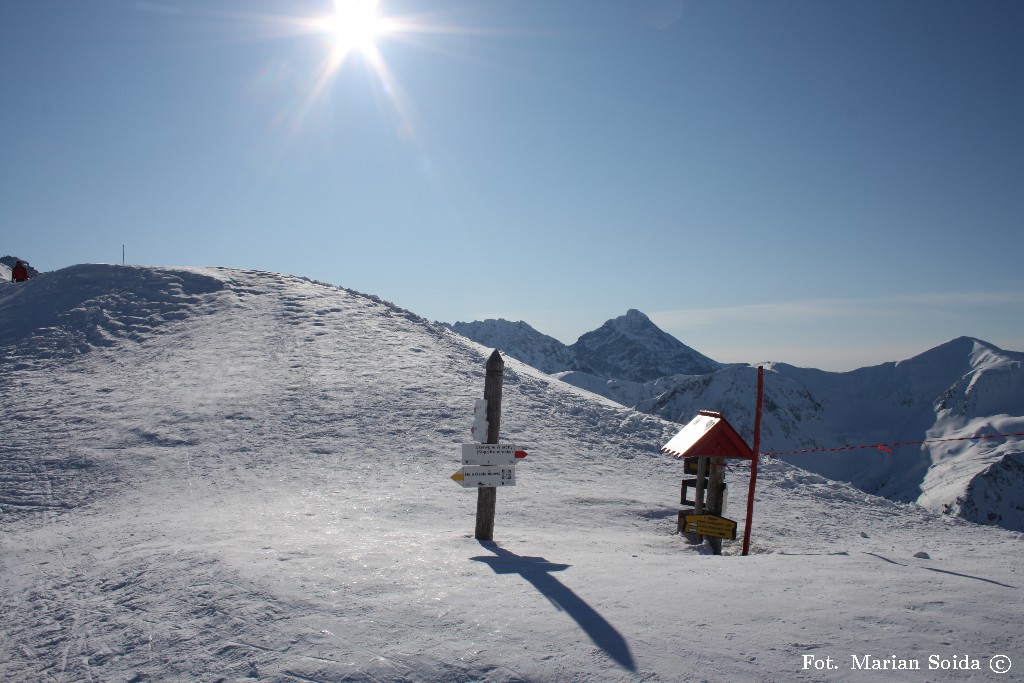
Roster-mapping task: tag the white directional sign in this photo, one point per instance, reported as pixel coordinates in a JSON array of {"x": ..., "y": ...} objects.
[
  {"x": 488, "y": 464},
  {"x": 489, "y": 454},
  {"x": 486, "y": 475}
]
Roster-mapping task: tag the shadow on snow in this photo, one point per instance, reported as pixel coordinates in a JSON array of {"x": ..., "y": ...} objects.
[{"x": 537, "y": 571}]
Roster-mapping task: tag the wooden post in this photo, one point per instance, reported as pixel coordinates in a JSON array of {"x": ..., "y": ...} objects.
[
  {"x": 487, "y": 496},
  {"x": 700, "y": 492},
  {"x": 716, "y": 487},
  {"x": 699, "y": 496},
  {"x": 757, "y": 456}
]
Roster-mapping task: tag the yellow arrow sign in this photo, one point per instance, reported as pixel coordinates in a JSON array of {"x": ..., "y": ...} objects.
[
  {"x": 458, "y": 476},
  {"x": 710, "y": 525}
]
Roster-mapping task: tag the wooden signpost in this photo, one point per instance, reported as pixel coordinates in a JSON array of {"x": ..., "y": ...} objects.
[
  {"x": 487, "y": 496},
  {"x": 704, "y": 444},
  {"x": 709, "y": 501},
  {"x": 488, "y": 465}
]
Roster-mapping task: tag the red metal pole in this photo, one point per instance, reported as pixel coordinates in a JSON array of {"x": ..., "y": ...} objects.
[{"x": 757, "y": 455}]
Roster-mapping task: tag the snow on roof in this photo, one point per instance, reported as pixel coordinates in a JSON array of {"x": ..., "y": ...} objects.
[{"x": 708, "y": 434}]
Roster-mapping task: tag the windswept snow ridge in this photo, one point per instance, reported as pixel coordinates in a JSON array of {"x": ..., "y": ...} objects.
[{"x": 214, "y": 474}]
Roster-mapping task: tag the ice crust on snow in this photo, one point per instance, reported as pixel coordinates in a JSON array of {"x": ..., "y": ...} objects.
[{"x": 216, "y": 474}]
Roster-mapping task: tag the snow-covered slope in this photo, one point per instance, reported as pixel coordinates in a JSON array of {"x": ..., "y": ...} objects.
[
  {"x": 963, "y": 388},
  {"x": 212, "y": 474}
]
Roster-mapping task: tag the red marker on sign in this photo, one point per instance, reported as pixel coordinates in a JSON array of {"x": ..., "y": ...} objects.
[{"x": 521, "y": 454}]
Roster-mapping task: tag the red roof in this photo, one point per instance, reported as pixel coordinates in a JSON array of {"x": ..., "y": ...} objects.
[{"x": 708, "y": 434}]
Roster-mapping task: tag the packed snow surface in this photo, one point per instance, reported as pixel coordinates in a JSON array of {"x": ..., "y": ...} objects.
[{"x": 225, "y": 475}]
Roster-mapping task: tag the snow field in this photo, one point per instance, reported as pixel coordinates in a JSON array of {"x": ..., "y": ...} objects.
[{"x": 250, "y": 482}]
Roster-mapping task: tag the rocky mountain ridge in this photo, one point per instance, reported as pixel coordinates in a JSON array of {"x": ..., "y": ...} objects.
[{"x": 629, "y": 347}]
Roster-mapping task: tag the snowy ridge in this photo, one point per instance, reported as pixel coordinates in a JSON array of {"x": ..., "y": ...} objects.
[
  {"x": 76, "y": 309},
  {"x": 520, "y": 340},
  {"x": 215, "y": 474}
]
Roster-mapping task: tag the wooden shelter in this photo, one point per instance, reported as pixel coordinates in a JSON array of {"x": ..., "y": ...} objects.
[{"x": 704, "y": 444}]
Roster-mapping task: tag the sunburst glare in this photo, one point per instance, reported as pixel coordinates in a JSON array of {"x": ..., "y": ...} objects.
[
  {"x": 354, "y": 27},
  {"x": 350, "y": 35}
]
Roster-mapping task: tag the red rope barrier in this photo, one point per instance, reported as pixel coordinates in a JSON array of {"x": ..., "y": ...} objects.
[{"x": 887, "y": 447}]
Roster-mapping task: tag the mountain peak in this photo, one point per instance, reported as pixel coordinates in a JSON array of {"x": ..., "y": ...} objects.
[
  {"x": 633, "y": 319},
  {"x": 963, "y": 353},
  {"x": 632, "y": 347}
]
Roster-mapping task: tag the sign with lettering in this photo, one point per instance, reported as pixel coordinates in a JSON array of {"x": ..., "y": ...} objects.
[
  {"x": 710, "y": 525},
  {"x": 488, "y": 454},
  {"x": 488, "y": 464},
  {"x": 470, "y": 476}
]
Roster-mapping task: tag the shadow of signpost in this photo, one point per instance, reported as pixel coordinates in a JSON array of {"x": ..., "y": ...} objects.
[{"x": 537, "y": 571}]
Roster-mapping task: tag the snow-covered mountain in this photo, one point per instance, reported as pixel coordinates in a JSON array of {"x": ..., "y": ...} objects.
[
  {"x": 520, "y": 341},
  {"x": 210, "y": 474},
  {"x": 965, "y": 387},
  {"x": 629, "y": 347}
]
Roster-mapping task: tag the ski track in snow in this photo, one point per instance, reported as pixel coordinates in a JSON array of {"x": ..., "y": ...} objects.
[{"x": 212, "y": 474}]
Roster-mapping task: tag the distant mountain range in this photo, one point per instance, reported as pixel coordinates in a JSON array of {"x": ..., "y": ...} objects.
[
  {"x": 929, "y": 403},
  {"x": 628, "y": 347}
]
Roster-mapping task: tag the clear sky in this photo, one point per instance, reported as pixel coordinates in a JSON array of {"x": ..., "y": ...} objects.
[{"x": 827, "y": 183}]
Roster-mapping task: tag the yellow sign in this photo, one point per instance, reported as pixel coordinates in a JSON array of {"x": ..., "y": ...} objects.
[{"x": 710, "y": 525}]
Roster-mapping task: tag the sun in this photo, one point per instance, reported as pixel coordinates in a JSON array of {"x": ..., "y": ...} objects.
[{"x": 354, "y": 27}]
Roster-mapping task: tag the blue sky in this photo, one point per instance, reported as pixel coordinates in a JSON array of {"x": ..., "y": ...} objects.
[{"x": 830, "y": 184}]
